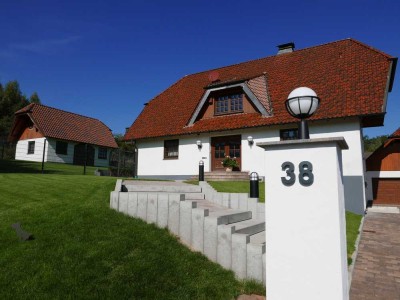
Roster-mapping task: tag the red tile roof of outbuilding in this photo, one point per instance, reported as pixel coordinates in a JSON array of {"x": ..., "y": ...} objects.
[
  {"x": 59, "y": 124},
  {"x": 395, "y": 134},
  {"x": 351, "y": 79}
]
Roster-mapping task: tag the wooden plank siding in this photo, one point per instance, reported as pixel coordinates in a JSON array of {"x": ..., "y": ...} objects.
[
  {"x": 386, "y": 191},
  {"x": 385, "y": 158}
]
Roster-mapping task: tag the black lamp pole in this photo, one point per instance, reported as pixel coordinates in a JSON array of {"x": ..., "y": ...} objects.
[{"x": 303, "y": 130}]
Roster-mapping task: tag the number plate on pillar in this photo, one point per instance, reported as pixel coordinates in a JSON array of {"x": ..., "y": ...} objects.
[{"x": 306, "y": 176}]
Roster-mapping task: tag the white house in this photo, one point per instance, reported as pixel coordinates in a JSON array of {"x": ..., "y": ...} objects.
[
  {"x": 227, "y": 111},
  {"x": 53, "y": 135}
]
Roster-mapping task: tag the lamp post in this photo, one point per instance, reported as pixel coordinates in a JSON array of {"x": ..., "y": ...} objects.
[{"x": 302, "y": 103}]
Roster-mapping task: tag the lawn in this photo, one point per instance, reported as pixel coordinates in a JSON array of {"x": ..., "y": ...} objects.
[
  {"x": 13, "y": 166},
  {"x": 83, "y": 249},
  {"x": 237, "y": 187}
]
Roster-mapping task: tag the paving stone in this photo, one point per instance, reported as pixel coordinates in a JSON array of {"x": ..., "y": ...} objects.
[{"x": 378, "y": 261}]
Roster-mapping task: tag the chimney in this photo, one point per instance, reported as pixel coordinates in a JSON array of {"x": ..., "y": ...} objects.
[{"x": 285, "y": 48}]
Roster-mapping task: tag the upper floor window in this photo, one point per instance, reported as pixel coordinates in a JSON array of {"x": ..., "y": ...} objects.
[
  {"x": 61, "y": 147},
  {"x": 102, "y": 153},
  {"x": 228, "y": 104},
  {"x": 289, "y": 134},
  {"x": 31, "y": 147},
  {"x": 171, "y": 149}
]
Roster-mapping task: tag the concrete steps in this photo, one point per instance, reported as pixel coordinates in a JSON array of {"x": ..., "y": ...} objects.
[
  {"x": 228, "y": 231},
  {"x": 224, "y": 176}
]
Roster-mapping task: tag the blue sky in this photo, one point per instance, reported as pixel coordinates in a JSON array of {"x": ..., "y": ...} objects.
[{"x": 105, "y": 59}]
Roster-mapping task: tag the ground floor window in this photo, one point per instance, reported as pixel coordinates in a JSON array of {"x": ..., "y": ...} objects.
[
  {"x": 102, "y": 153},
  {"x": 171, "y": 149},
  {"x": 289, "y": 134},
  {"x": 61, "y": 147},
  {"x": 31, "y": 147}
]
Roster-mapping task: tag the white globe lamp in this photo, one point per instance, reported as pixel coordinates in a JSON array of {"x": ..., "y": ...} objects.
[{"x": 302, "y": 103}]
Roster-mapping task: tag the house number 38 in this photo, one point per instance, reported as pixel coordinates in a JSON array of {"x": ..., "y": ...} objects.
[{"x": 306, "y": 176}]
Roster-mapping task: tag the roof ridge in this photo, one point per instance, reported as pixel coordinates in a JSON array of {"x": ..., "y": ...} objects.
[
  {"x": 303, "y": 49},
  {"x": 65, "y": 111}
]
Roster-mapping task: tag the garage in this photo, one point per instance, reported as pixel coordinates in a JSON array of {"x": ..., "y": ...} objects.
[{"x": 386, "y": 191}]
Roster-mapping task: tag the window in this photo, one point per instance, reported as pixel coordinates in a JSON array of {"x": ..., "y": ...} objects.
[
  {"x": 219, "y": 150},
  {"x": 102, "y": 153},
  {"x": 234, "y": 149},
  {"x": 289, "y": 134},
  {"x": 228, "y": 104},
  {"x": 61, "y": 147},
  {"x": 171, "y": 149},
  {"x": 31, "y": 147}
]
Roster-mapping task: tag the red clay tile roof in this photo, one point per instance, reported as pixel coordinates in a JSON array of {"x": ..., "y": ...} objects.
[
  {"x": 59, "y": 124},
  {"x": 350, "y": 78},
  {"x": 395, "y": 134}
]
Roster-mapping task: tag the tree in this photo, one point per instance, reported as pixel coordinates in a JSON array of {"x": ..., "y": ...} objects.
[
  {"x": 122, "y": 144},
  {"x": 11, "y": 100},
  {"x": 34, "y": 98},
  {"x": 371, "y": 144}
]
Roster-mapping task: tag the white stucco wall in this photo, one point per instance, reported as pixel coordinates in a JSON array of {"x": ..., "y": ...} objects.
[
  {"x": 151, "y": 160},
  {"x": 21, "y": 151}
]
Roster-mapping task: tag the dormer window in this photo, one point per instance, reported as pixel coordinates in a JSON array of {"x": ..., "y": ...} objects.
[{"x": 228, "y": 104}]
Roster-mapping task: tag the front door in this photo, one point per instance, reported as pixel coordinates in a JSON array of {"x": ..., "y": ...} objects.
[{"x": 223, "y": 146}]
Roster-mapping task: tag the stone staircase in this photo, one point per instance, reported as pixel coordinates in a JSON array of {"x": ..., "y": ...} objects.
[
  {"x": 228, "y": 228},
  {"x": 224, "y": 176}
]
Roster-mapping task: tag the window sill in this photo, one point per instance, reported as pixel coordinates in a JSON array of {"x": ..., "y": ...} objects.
[
  {"x": 228, "y": 113},
  {"x": 171, "y": 158}
]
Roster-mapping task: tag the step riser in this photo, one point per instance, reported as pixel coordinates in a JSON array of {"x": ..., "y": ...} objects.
[
  {"x": 161, "y": 189},
  {"x": 254, "y": 262}
]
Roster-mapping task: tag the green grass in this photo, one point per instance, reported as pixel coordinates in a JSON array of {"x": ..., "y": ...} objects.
[
  {"x": 352, "y": 231},
  {"x": 19, "y": 166},
  {"x": 83, "y": 249},
  {"x": 233, "y": 187},
  {"x": 237, "y": 187}
]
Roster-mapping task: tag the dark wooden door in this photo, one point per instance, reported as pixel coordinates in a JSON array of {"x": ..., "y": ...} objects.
[
  {"x": 223, "y": 146},
  {"x": 80, "y": 157}
]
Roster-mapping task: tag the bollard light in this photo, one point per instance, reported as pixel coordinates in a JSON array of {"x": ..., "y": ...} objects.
[
  {"x": 201, "y": 170},
  {"x": 254, "y": 186},
  {"x": 302, "y": 103}
]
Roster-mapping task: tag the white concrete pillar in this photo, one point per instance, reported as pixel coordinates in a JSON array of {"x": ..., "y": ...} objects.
[{"x": 306, "y": 254}]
